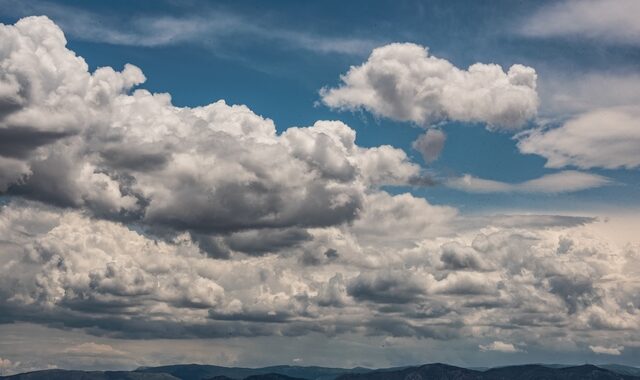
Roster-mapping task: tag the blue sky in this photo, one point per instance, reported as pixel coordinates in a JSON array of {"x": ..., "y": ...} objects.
[{"x": 301, "y": 234}]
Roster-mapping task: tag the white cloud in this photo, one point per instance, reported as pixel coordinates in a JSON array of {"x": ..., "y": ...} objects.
[
  {"x": 606, "y": 138},
  {"x": 500, "y": 347},
  {"x": 607, "y": 350},
  {"x": 78, "y": 139},
  {"x": 403, "y": 82},
  {"x": 607, "y": 20},
  {"x": 562, "y": 182}
]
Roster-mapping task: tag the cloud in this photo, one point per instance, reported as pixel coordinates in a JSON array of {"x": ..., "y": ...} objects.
[
  {"x": 62, "y": 268},
  {"x": 430, "y": 144},
  {"x": 388, "y": 287},
  {"x": 89, "y": 141},
  {"x": 607, "y": 350},
  {"x": 569, "y": 94},
  {"x": 562, "y": 182},
  {"x": 606, "y": 138},
  {"x": 403, "y": 82},
  {"x": 500, "y": 347},
  {"x": 611, "y": 21},
  {"x": 115, "y": 221},
  {"x": 209, "y": 28}
]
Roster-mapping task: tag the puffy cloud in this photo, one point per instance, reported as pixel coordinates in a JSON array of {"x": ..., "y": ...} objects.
[
  {"x": 456, "y": 257},
  {"x": 388, "y": 287},
  {"x": 403, "y": 82},
  {"x": 607, "y": 350},
  {"x": 430, "y": 144},
  {"x": 84, "y": 140},
  {"x": 499, "y": 346},
  {"x": 65, "y": 269},
  {"x": 606, "y": 20},
  {"x": 606, "y": 138},
  {"x": 562, "y": 182}
]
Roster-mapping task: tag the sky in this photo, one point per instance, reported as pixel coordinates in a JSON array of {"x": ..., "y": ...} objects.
[{"x": 356, "y": 183}]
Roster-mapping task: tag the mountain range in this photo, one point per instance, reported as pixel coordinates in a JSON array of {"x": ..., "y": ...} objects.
[{"x": 435, "y": 371}]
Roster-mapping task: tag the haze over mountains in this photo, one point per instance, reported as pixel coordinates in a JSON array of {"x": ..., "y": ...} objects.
[{"x": 435, "y": 371}]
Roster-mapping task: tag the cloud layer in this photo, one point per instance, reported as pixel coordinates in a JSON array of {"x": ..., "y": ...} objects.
[
  {"x": 403, "y": 82},
  {"x": 125, "y": 216}
]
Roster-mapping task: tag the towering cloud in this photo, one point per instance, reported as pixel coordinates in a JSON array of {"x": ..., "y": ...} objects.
[{"x": 403, "y": 82}]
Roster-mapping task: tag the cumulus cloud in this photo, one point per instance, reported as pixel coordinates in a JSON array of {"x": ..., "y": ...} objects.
[
  {"x": 611, "y": 21},
  {"x": 562, "y": 182},
  {"x": 63, "y": 268},
  {"x": 403, "y": 82},
  {"x": 85, "y": 140},
  {"x": 500, "y": 347},
  {"x": 607, "y": 350},
  {"x": 606, "y": 138},
  {"x": 430, "y": 144}
]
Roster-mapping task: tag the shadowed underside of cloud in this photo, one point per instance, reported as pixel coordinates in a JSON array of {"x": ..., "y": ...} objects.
[
  {"x": 562, "y": 182},
  {"x": 122, "y": 207}
]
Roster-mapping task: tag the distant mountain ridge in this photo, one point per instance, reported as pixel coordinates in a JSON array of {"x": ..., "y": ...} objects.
[{"x": 435, "y": 371}]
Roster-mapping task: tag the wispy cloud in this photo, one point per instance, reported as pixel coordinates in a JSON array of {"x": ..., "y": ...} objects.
[
  {"x": 562, "y": 182},
  {"x": 209, "y": 27},
  {"x": 614, "y": 21}
]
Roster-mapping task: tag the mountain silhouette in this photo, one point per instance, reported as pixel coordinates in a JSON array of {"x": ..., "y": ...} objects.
[{"x": 435, "y": 371}]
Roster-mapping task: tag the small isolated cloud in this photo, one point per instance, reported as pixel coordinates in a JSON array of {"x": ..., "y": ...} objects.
[
  {"x": 607, "y": 350},
  {"x": 606, "y": 20},
  {"x": 401, "y": 81},
  {"x": 499, "y": 347},
  {"x": 606, "y": 138},
  {"x": 430, "y": 144},
  {"x": 562, "y": 182}
]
